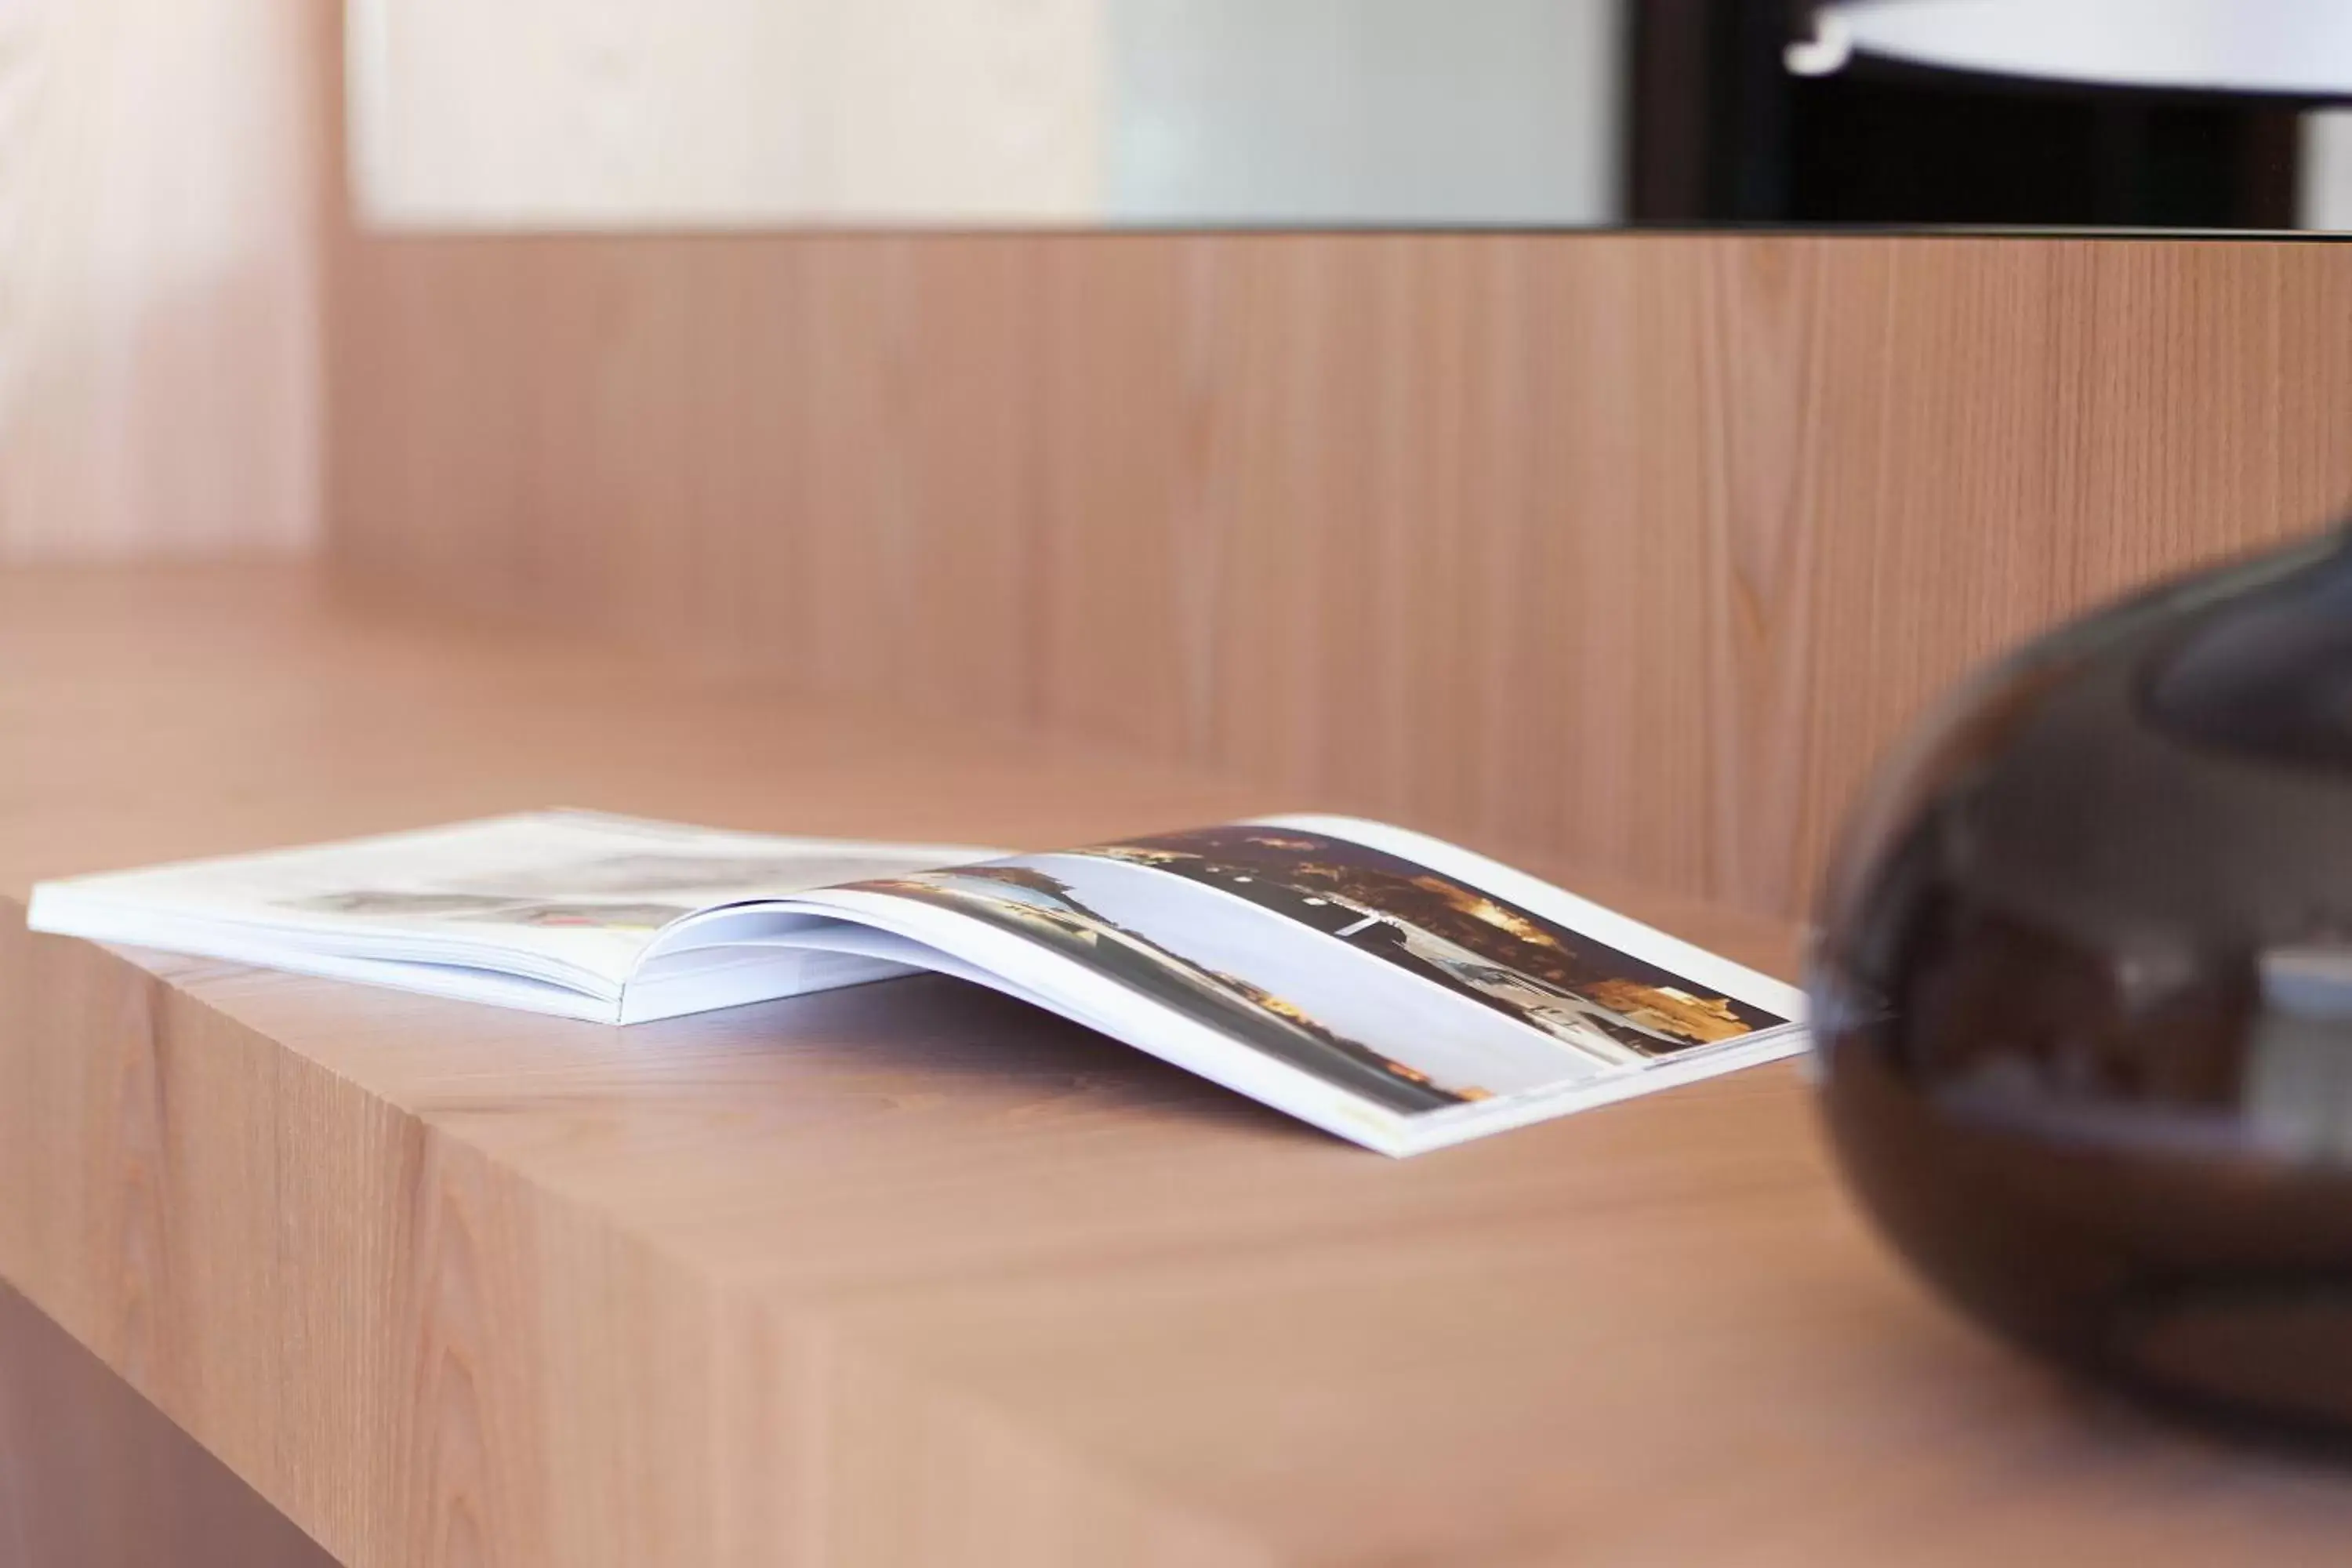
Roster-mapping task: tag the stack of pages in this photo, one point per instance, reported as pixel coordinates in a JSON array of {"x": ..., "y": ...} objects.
[{"x": 1385, "y": 986}]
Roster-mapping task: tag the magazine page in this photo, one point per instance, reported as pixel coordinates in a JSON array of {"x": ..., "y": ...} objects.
[
  {"x": 568, "y": 900},
  {"x": 1386, "y": 986}
]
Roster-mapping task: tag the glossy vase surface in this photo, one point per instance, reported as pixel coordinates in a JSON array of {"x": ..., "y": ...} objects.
[{"x": 2083, "y": 992}]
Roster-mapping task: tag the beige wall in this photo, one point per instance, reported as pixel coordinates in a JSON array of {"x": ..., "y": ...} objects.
[
  {"x": 492, "y": 115},
  {"x": 571, "y": 114},
  {"x": 159, "y": 174}
]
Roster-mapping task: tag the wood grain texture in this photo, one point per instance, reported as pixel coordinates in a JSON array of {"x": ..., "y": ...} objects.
[
  {"x": 92, "y": 1476},
  {"x": 159, "y": 261},
  {"x": 1632, "y": 548},
  {"x": 910, "y": 1274}
]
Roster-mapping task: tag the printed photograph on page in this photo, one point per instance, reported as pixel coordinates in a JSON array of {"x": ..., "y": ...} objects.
[
  {"x": 1547, "y": 974},
  {"x": 1371, "y": 973}
]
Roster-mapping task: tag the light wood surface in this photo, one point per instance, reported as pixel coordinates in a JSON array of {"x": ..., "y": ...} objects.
[
  {"x": 92, "y": 1476},
  {"x": 1634, "y": 548},
  {"x": 158, "y": 277},
  {"x": 909, "y": 1274}
]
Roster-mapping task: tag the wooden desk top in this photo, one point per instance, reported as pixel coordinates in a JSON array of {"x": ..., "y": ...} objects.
[{"x": 910, "y": 1274}]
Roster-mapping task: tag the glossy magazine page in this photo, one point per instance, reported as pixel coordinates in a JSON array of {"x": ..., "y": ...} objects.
[
  {"x": 1387, "y": 986},
  {"x": 568, "y": 900}
]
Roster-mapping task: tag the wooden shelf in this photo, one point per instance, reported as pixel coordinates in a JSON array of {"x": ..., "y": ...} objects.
[{"x": 910, "y": 1273}]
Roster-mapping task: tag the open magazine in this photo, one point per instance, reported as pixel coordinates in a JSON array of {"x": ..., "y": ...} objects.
[{"x": 1384, "y": 985}]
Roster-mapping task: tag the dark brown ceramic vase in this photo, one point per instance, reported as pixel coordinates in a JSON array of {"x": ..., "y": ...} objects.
[{"x": 2083, "y": 992}]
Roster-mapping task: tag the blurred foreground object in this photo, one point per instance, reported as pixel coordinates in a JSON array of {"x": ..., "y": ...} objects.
[{"x": 2085, "y": 992}]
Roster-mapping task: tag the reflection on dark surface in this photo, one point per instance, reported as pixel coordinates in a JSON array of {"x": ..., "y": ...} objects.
[
  {"x": 2085, "y": 990},
  {"x": 2274, "y": 682}
]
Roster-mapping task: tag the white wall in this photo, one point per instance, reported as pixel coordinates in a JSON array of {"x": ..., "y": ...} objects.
[
  {"x": 502, "y": 115},
  {"x": 1366, "y": 111},
  {"x": 572, "y": 113}
]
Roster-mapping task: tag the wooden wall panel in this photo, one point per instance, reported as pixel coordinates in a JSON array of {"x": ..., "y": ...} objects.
[
  {"x": 159, "y": 239},
  {"x": 1636, "y": 548}
]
